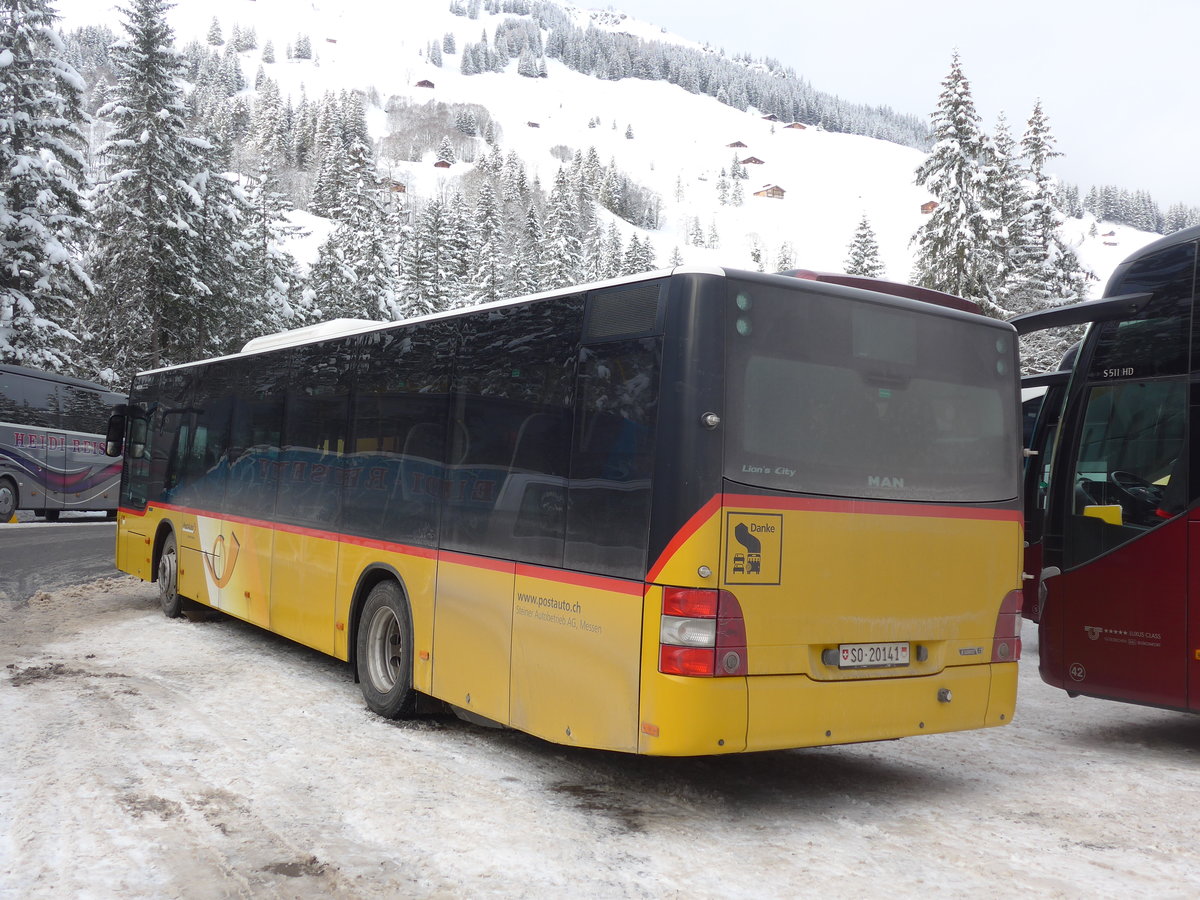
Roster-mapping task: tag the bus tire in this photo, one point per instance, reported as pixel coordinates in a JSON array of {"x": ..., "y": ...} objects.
[
  {"x": 52, "y": 515},
  {"x": 8, "y": 499},
  {"x": 383, "y": 652},
  {"x": 168, "y": 579}
]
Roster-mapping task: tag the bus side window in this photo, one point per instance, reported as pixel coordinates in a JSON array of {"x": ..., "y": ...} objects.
[
  {"x": 315, "y": 424},
  {"x": 509, "y": 443},
  {"x": 612, "y": 455}
]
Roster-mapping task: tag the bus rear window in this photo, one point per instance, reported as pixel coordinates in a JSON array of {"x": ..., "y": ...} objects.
[{"x": 836, "y": 396}]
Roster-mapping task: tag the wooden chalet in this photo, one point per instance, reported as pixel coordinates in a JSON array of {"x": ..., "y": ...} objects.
[
  {"x": 736, "y": 144},
  {"x": 771, "y": 118},
  {"x": 533, "y": 124},
  {"x": 928, "y": 207},
  {"x": 774, "y": 191},
  {"x": 751, "y": 161},
  {"x": 425, "y": 82},
  {"x": 797, "y": 125},
  {"x": 441, "y": 164}
]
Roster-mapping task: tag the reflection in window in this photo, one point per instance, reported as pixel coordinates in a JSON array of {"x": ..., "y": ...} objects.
[
  {"x": 1130, "y": 469},
  {"x": 612, "y": 457}
]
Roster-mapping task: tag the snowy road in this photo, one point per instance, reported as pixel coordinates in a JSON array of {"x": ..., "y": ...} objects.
[{"x": 144, "y": 757}]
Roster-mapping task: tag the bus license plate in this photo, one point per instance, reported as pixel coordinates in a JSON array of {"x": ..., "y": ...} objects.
[{"x": 872, "y": 656}]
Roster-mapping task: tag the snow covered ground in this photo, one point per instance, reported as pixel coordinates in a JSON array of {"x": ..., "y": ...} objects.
[{"x": 145, "y": 757}]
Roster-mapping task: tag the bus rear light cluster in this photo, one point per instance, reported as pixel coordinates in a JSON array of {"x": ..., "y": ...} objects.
[
  {"x": 1006, "y": 640},
  {"x": 703, "y": 633}
]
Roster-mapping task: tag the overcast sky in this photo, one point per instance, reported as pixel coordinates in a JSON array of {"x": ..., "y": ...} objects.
[{"x": 1116, "y": 77}]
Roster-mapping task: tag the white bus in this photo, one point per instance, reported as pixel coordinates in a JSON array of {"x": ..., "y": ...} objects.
[{"x": 52, "y": 444}]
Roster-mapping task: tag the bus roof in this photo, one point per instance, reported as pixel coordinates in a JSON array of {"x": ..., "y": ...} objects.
[
  {"x": 881, "y": 286},
  {"x": 1182, "y": 236},
  {"x": 345, "y": 327},
  {"x": 56, "y": 377}
]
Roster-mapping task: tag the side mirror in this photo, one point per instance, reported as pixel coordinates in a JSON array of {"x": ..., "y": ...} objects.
[{"x": 114, "y": 439}]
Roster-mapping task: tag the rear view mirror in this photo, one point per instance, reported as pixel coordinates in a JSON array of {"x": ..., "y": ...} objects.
[{"x": 114, "y": 439}]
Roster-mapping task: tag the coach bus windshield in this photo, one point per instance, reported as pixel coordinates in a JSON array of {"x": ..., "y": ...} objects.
[{"x": 832, "y": 393}]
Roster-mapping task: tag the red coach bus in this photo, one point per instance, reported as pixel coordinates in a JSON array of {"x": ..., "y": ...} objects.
[{"x": 1111, "y": 489}]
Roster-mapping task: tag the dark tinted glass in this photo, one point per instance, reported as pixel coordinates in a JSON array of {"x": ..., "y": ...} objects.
[
  {"x": 200, "y": 461},
  {"x": 394, "y": 470},
  {"x": 83, "y": 409},
  {"x": 510, "y": 430},
  {"x": 829, "y": 395},
  {"x": 1130, "y": 467},
  {"x": 612, "y": 456},
  {"x": 315, "y": 424},
  {"x": 137, "y": 471},
  {"x": 25, "y": 400},
  {"x": 257, "y": 408},
  {"x": 1156, "y": 342}
]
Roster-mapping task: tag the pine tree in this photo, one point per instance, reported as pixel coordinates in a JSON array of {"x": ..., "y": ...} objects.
[
  {"x": 1048, "y": 271},
  {"x": 1007, "y": 198},
  {"x": 43, "y": 217},
  {"x": 215, "y": 37},
  {"x": 863, "y": 256},
  {"x": 562, "y": 259},
  {"x": 487, "y": 282},
  {"x": 303, "y": 48},
  {"x": 146, "y": 264},
  {"x": 273, "y": 280},
  {"x": 954, "y": 251}
]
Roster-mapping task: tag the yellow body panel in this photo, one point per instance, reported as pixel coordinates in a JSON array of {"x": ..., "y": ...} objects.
[
  {"x": 855, "y": 577},
  {"x": 472, "y": 634},
  {"x": 134, "y": 548},
  {"x": 304, "y": 589},
  {"x": 575, "y": 660}
]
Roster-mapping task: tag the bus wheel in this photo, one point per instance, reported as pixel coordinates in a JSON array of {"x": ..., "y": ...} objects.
[
  {"x": 168, "y": 580},
  {"x": 8, "y": 499},
  {"x": 383, "y": 653},
  {"x": 52, "y": 515}
]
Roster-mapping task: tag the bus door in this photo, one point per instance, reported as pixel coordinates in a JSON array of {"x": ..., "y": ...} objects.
[
  {"x": 1041, "y": 410},
  {"x": 1120, "y": 605}
]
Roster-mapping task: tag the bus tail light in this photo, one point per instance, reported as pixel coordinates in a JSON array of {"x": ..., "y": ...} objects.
[
  {"x": 702, "y": 634},
  {"x": 1006, "y": 639}
]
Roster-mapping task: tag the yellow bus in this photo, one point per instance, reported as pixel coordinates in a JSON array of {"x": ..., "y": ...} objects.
[{"x": 698, "y": 511}]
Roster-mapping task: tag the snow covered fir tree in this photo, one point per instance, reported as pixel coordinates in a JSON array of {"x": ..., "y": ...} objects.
[
  {"x": 44, "y": 217},
  {"x": 169, "y": 196}
]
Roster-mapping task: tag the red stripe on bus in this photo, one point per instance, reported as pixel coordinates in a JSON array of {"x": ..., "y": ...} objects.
[
  {"x": 374, "y": 543},
  {"x": 873, "y": 508},
  {"x": 752, "y": 502},
  {"x": 705, "y": 513},
  {"x": 478, "y": 562},
  {"x": 388, "y": 546},
  {"x": 583, "y": 579}
]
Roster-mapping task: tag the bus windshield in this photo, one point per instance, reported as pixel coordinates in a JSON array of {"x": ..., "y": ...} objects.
[{"x": 867, "y": 399}]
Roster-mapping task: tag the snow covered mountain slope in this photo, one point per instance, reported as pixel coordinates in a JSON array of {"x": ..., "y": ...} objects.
[{"x": 667, "y": 139}]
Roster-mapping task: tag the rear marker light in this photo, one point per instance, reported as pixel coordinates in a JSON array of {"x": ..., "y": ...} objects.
[
  {"x": 1006, "y": 639},
  {"x": 702, "y": 634}
]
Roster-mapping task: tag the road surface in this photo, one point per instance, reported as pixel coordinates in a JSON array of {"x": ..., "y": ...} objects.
[{"x": 44, "y": 556}]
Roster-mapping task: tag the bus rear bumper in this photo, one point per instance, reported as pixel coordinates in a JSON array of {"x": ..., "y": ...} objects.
[
  {"x": 795, "y": 711},
  {"x": 700, "y": 716}
]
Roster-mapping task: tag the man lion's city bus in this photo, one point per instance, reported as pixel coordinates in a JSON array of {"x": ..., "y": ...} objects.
[
  {"x": 1112, "y": 488},
  {"x": 52, "y": 444},
  {"x": 693, "y": 512}
]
